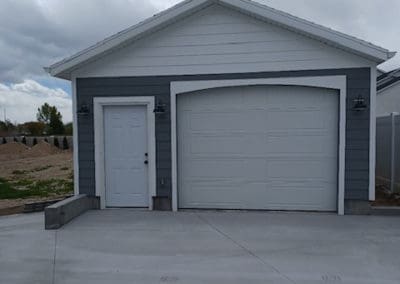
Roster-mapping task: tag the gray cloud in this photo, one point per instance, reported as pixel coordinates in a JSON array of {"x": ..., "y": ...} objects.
[
  {"x": 375, "y": 21},
  {"x": 36, "y": 33}
]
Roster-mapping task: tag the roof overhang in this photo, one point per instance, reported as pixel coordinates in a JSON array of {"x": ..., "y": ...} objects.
[{"x": 351, "y": 44}]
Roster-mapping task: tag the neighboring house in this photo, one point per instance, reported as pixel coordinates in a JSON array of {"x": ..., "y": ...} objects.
[
  {"x": 380, "y": 72},
  {"x": 226, "y": 104},
  {"x": 388, "y": 96}
]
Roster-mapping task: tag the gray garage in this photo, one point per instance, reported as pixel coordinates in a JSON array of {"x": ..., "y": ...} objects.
[{"x": 225, "y": 105}]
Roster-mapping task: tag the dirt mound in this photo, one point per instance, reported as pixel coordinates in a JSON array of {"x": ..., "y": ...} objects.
[
  {"x": 13, "y": 148},
  {"x": 43, "y": 149}
]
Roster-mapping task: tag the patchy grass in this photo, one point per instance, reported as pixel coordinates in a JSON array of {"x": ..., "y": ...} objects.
[
  {"x": 40, "y": 169},
  {"x": 27, "y": 188},
  {"x": 24, "y": 172},
  {"x": 19, "y": 172}
]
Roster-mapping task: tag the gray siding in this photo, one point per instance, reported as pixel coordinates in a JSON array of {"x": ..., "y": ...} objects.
[{"x": 358, "y": 123}]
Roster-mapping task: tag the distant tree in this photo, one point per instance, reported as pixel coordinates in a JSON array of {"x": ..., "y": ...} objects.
[
  {"x": 65, "y": 143},
  {"x": 52, "y": 118},
  {"x": 56, "y": 143},
  {"x": 44, "y": 112},
  {"x": 21, "y": 129},
  {"x": 35, "y": 128},
  {"x": 68, "y": 129},
  {"x": 7, "y": 128},
  {"x": 56, "y": 126}
]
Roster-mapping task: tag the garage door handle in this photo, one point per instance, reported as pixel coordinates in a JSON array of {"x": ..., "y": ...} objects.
[{"x": 146, "y": 162}]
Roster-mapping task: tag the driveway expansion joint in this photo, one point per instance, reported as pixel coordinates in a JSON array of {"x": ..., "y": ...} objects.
[
  {"x": 242, "y": 247},
  {"x": 54, "y": 258}
]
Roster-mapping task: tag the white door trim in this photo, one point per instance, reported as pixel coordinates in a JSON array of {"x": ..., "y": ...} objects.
[
  {"x": 75, "y": 136},
  {"x": 99, "y": 104},
  {"x": 331, "y": 82},
  {"x": 372, "y": 138}
]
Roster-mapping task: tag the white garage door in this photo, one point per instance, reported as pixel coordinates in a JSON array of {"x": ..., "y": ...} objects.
[{"x": 262, "y": 147}]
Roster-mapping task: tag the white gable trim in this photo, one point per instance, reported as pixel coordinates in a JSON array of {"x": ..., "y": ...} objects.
[
  {"x": 318, "y": 32},
  {"x": 63, "y": 68}
]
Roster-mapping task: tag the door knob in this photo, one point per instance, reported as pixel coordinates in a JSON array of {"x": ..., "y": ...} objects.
[{"x": 146, "y": 162}]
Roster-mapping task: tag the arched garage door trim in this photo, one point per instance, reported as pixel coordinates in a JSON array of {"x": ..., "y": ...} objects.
[{"x": 329, "y": 82}]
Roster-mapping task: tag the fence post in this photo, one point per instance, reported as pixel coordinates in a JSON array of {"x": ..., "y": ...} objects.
[{"x": 393, "y": 151}]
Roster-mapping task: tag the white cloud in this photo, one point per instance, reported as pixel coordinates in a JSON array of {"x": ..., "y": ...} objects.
[{"x": 22, "y": 100}]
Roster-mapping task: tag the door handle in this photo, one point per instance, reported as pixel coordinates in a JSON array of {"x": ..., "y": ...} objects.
[{"x": 146, "y": 162}]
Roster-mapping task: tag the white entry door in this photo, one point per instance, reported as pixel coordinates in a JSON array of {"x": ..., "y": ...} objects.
[
  {"x": 125, "y": 137},
  {"x": 262, "y": 147}
]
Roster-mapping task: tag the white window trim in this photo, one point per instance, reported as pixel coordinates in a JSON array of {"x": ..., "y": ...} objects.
[
  {"x": 99, "y": 104},
  {"x": 332, "y": 82}
]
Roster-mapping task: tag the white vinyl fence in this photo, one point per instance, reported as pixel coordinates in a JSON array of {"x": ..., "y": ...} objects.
[{"x": 388, "y": 151}]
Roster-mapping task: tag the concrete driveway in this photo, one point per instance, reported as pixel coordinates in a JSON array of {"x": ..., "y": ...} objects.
[{"x": 127, "y": 246}]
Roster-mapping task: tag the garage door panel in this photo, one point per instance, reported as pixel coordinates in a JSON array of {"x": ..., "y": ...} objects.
[
  {"x": 299, "y": 119},
  {"x": 204, "y": 101},
  {"x": 299, "y": 144},
  {"x": 222, "y": 121},
  {"x": 286, "y": 170},
  {"x": 291, "y": 98},
  {"x": 222, "y": 144},
  {"x": 259, "y": 144},
  {"x": 208, "y": 195},
  {"x": 258, "y": 169},
  {"x": 258, "y": 148},
  {"x": 255, "y": 169}
]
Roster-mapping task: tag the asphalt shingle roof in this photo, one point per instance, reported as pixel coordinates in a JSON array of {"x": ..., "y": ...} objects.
[{"x": 388, "y": 79}]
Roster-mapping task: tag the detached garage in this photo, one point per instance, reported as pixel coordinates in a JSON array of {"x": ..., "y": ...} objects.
[{"x": 217, "y": 104}]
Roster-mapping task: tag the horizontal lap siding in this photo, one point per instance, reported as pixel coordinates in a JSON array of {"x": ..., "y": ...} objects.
[
  {"x": 357, "y": 150},
  {"x": 217, "y": 40}
]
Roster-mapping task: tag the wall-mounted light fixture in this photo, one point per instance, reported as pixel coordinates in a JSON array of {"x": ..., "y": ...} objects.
[
  {"x": 83, "y": 110},
  {"x": 160, "y": 108},
  {"x": 359, "y": 104}
]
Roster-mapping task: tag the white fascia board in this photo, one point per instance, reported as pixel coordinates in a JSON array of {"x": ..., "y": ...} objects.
[{"x": 321, "y": 33}]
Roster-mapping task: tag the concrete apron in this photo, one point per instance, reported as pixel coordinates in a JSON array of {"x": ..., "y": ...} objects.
[{"x": 128, "y": 246}]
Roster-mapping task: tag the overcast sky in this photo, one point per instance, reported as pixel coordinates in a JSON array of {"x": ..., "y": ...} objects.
[{"x": 37, "y": 33}]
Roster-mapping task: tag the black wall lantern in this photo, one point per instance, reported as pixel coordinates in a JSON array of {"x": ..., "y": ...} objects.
[
  {"x": 359, "y": 104},
  {"x": 83, "y": 110},
  {"x": 160, "y": 108}
]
